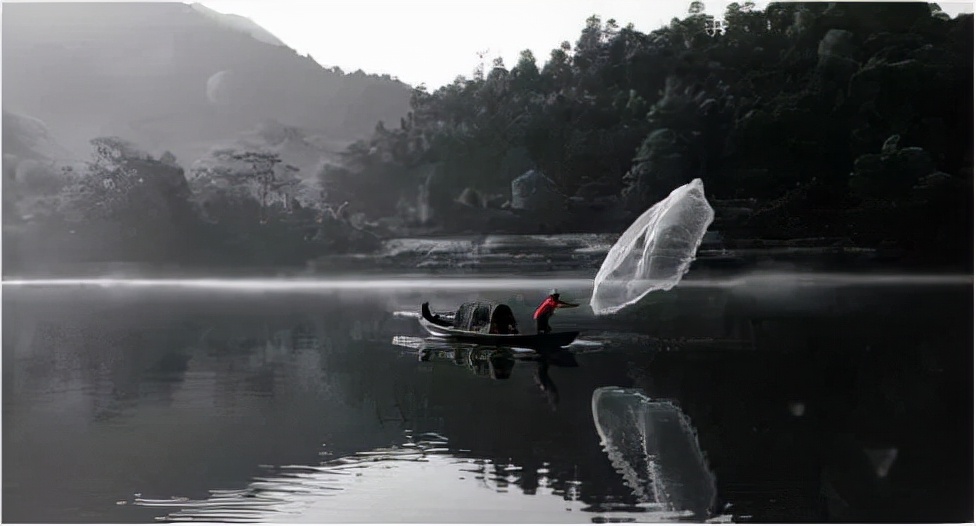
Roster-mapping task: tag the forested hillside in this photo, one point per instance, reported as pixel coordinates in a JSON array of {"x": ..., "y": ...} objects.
[
  {"x": 848, "y": 122},
  {"x": 842, "y": 120}
]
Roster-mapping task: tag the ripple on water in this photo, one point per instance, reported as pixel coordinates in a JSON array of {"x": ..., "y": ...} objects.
[{"x": 419, "y": 480}]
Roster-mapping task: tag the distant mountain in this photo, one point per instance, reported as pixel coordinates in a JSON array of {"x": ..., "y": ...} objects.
[
  {"x": 176, "y": 77},
  {"x": 239, "y": 23},
  {"x": 29, "y": 138},
  {"x": 32, "y": 163}
]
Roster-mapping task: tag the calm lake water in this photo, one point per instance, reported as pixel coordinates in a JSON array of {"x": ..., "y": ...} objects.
[{"x": 747, "y": 398}]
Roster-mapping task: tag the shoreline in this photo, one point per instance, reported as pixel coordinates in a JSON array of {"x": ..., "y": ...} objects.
[{"x": 515, "y": 255}]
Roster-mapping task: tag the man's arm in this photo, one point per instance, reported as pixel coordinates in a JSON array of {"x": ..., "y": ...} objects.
[{"x": 566, "y": 304}]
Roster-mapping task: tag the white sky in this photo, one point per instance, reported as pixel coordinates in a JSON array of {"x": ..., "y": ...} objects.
[{"x": 434, "y": 41}]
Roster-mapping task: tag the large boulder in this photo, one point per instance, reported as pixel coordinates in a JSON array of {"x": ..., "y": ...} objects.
[
  {"x": 893, "y": 172},
  {"x": 533, "y": 191},
  {"x": 836, "y": 48},
  {"x": 835, "y": 65}
]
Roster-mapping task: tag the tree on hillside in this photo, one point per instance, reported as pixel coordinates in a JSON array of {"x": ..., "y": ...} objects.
[
  {"x": 124, "y": 203},
  {"x": 775, "y": 104},
  {"x": 245, "y": 180},
  {"x": 126, "y": 186}
]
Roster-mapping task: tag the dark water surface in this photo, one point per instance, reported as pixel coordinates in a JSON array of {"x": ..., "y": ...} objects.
[{"x": 785, "y": 399}]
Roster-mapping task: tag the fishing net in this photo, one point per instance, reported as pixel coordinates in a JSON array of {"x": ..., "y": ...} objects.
[{"x": 654, "y": 252}]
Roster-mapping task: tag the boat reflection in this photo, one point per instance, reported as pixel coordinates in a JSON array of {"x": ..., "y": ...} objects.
[
  {"x": 493, "y": 363},
  {"x": 496, "y": 363}
]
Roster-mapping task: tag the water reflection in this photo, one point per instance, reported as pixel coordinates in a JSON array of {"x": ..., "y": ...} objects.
[
  {"x": 653, "y": 446},
  {"x": 844, "y": 401},
  {"x": 420, "y": 480},
  {"x": 496, "y": 363}
]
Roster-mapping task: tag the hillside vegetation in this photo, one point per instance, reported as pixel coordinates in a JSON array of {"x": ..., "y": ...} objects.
[
  {"x": 846, "y": 122},
  {"x": 849, "y": 121}
]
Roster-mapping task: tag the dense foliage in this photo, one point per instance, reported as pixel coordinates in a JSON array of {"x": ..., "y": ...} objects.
[
  {"x": 848, "y": 121},
  {"x": 236, "y": 208},
  {"x": 783, "y": 110}
]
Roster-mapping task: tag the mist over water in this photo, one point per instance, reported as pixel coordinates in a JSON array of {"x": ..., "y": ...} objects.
[
  {"x": 288, "y": 399},
  {"x": 408, "y": 282}
]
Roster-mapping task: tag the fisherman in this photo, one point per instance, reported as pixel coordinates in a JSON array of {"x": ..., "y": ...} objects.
[{"x": 547, "y": 309}]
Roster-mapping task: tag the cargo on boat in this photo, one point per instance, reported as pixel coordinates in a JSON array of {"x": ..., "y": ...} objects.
[{"x": 487, "y": 323}]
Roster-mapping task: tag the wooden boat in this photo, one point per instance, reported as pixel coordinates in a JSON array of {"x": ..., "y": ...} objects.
[{"x": 486, "y": 323}]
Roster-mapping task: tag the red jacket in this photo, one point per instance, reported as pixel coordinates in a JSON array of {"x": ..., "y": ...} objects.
[{"x": 546, "y": 308}]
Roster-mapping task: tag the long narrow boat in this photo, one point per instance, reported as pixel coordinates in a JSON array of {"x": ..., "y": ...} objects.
[{"x": 488, "y": 324}]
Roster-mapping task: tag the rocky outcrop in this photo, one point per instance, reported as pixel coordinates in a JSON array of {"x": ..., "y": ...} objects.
[
  {"x": 836, "y": 48},
  {"x": 533, "y": 191},
  {"x": 893, "y": 172}
]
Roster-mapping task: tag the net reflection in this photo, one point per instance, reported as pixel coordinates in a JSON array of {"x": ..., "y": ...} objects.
[{"x": 652, "y": 444}]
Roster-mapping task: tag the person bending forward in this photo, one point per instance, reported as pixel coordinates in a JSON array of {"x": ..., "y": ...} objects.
[{"x": 547, "y": 309}]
